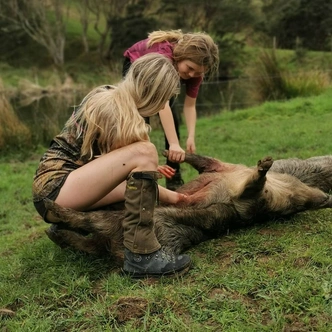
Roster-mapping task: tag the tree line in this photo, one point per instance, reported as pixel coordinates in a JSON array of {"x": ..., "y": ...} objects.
[{"x": 119, "y": 24}]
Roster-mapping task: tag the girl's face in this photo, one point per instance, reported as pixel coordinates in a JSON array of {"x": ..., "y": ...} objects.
[{"x": 188, "y": 69}]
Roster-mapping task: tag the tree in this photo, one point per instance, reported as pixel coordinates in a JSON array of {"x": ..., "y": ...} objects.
[
  {"x": 43, "y": 21},
  {"x": 131, "y": 28},
  {"x": 228, "y": 21},
  {"x": 305, "y": 20},
  {"x": 83, "y": 8},
  {"x": 105, "y": 13}
]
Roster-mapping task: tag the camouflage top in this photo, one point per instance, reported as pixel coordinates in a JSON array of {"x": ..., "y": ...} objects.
[{"x": 62, "y": 157}]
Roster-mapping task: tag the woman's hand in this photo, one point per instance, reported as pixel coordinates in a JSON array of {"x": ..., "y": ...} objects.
[{"x": 166, "y": 170}]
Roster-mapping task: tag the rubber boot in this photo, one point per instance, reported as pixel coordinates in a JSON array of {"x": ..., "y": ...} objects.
[
  {"x": 175, "y": 182},
  {"x": 143, "y": 254}
]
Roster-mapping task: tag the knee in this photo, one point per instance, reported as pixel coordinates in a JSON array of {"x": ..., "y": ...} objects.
[
  {"x": 146, "y": 148},
  {"x": 147, "y": 152}
]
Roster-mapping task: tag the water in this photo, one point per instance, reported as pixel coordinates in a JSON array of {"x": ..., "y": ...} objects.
[
  {"x": 218, "y": 96},
  {"x": 45, "y": 113}
]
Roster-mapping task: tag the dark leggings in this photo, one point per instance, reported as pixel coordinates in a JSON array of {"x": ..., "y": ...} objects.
[{"x": 176, "y": 166}]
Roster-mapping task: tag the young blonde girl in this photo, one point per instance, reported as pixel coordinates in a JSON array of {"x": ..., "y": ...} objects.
[
  {"x": 104, "y": 155},
  {"x": 194, "y": 55}
]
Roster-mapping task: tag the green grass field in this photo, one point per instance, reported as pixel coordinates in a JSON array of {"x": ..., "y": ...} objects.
[{"x": 272, "y": 277}]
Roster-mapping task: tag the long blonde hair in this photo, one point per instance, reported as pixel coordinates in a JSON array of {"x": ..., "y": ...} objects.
[
  {"x": 112, "y": 116},
  {"x": 197, "y": 47}
]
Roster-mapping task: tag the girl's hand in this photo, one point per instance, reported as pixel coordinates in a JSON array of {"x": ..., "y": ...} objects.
[
  {"x": 175, "y": 153},
  {"x": 191, "y": 147},
  {"x": 166, "y": 170}
]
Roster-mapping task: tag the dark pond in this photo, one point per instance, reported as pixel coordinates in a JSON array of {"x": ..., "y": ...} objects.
[{"x": 46, "y": 115}]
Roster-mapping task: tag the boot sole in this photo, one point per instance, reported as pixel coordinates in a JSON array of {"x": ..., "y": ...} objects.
[{"x": 170, "y": 274}]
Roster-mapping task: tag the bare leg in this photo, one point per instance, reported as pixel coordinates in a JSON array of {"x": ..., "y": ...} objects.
[{"x": 101, "y": 181}]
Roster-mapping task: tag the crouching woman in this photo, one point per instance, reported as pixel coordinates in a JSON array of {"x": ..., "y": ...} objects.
[{"x": 104, "y": 155}]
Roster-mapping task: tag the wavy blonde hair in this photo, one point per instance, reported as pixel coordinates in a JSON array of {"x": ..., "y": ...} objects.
[
  {"x": 112, "y": 116},
  {"x": 197, "y": 47}
]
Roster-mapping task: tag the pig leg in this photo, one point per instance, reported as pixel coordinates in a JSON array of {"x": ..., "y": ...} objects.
[
  {"x": 175, "y": 237},
  {"x": 94, "y": 245},
  {"x": 105, "y": 226},
  {"x": 205, "y": 164},
  {"x": 64, "y": 238},
  {"x": 212, "y": 217},
  {"x": 107, "y": 223},
  {"x": 255, "y": 183}
]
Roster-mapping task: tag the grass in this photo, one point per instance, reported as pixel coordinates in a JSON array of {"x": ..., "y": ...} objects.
[
  {"x": 272, "y": 277},
  {"x": 282, "y": 129},
  {"x": 272, "y": 80}
]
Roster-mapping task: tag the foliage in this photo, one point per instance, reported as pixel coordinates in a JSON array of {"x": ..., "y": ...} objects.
[
  {"x": 44, "y": 22},
  {"x": 271, "y": 277},
  {"x": 306, "y": 83},
  {"x": 227, "y": 21},
  {"x": 115, "y": 25},
  {"x": 13, "y": 39},
  {"x": 39, "y": 113},
  {"x": 135, "y": 26},
  {"x": 43, "y": 105},
  {"x": 309, "y": 21},
  {"x": 273, "y": 82},
  {"x": 125, "y": 23},
  {"x": 13, "y": 133}
]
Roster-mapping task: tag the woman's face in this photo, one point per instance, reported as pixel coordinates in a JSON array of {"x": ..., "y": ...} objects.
[{"x": 188, "y": 69}]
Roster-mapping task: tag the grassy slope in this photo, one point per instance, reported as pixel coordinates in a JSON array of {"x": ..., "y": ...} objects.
[
  {"x": 274, "y": 277},
  {"x": 282, "y": 129}
]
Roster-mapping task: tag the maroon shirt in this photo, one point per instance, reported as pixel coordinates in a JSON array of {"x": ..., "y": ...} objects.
[{"x": 165, "y": 48}]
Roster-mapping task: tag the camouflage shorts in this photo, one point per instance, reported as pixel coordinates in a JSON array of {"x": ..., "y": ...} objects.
[{"x": 53, "y": 192}]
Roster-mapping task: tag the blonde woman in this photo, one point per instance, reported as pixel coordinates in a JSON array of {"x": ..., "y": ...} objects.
[
  {"x": 193, "y": 55},
  {"x": 104, "y": 155}
]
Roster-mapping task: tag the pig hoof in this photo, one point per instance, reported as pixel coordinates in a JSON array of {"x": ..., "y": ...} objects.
[
  {"x": 54, "y": 235},
  {"x": 265, "y": 164}
]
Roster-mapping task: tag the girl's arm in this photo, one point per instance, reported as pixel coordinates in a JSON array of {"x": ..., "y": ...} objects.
[
  {"x": 190, "y": 115},
  {"x": 176, "y": 153}
]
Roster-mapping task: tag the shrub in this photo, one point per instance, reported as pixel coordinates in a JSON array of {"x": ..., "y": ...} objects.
[
  {"x": 271, "y": 82},
  {"x": 13, "y": 133},
  {"x": 306, "y": 83}
]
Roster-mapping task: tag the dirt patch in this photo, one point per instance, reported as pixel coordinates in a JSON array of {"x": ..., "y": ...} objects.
[
  {"x": 294, "y": 323},
  {"x": 228, "y": 244},
  {"x": 127, "y": 308},
  {"x": 6, "y": 313},
  {"x": 267, "y": 231}
]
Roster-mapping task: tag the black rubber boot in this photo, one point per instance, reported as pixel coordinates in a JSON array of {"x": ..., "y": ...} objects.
[
  {"x": 175, "y": 182},
  {"x": 155, "y": 265}
]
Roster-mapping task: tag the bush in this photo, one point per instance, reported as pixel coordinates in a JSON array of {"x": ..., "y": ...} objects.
[
  {"x": 306, "y": 83},
  {"x": 271, "y": 82},
  {"x": 13, "y": 133}
]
